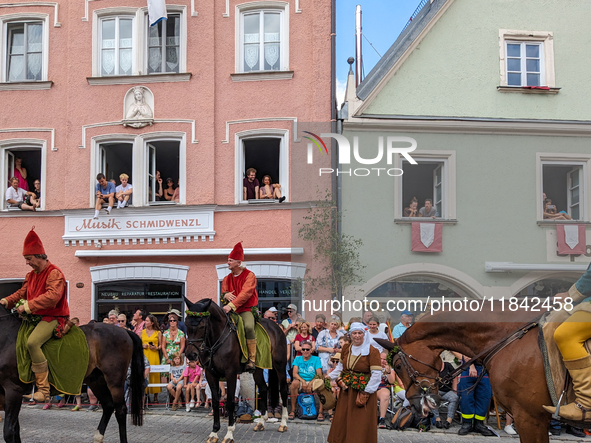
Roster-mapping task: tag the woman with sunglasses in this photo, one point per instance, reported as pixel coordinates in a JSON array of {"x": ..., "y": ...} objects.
[{"x": 173, "y": 340}]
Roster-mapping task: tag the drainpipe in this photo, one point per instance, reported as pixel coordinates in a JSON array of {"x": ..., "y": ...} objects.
[{"x": 358, "y": 53}]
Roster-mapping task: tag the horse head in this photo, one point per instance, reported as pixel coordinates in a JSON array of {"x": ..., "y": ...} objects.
[
  {"x": 417, "y": 368},
  {"x": 203, "y": 317}
]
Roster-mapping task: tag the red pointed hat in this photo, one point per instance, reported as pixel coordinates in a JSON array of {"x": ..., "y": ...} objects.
[
  {"x": 237, "y": 253},
  {"x": 33, "y": 245}
]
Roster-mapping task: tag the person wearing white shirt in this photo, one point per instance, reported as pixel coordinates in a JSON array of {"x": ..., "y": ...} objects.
[
  {"x": 123, "y": 192},
  {"x": 15, "y": 196}
]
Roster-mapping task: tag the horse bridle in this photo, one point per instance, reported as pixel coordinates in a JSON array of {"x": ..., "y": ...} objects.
[
  {"x": 413, "y": 374},
  {"x": 203, "y": 348}
]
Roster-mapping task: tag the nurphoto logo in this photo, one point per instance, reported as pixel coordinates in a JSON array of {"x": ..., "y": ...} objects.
[{"x": 394, "y": 145}]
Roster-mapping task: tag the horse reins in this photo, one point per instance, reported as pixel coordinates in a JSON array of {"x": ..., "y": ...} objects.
[
  {"x": 485, "y": 356},
  {"x": 229, "y": 327}
]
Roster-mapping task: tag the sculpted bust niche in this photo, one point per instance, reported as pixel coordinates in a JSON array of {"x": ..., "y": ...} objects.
[{"x": 137, "y": 107}]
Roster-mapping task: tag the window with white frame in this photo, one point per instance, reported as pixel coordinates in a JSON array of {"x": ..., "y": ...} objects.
[
  {"x": 263, "y": 45},
  {"x": 149, "y": 165},
  {"x": 527, "y": 59},
  {"x": 128, "y": 45},
  {"x": 267, "y": 153},
  {"x": 32, "y": 164},
  {"x": 24, "y": 49},
  {"x": 423, "y": 181},
  {"x": 563, "y": 185}
]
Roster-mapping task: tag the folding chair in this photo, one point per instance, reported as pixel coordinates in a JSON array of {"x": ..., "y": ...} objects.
[{"x": 158, "y": 369}]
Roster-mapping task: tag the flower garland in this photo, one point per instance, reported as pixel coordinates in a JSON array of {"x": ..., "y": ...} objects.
[
  {"x": 356, "y": 380},
  {"x": 197, "y": 314},
  {"x": 222, "y": 299},
  {"x": 31, "y": 318},
  {"x": 395, "y": 350},
  {"x": 256, "y": 314}
]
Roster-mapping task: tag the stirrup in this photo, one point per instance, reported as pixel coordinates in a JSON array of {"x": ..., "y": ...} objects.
[{"x": 250, "y": 366}]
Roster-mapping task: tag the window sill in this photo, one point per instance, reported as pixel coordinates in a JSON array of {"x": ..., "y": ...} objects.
[
  {"x": 134, "y": 79},
  {"x": 261, "y": 75},
  {"x": 550, "y": 223},
  {"x": 409, "y": 220},
  {"x": 25, "y": 86},
  {"x": 529, "y": 89}
]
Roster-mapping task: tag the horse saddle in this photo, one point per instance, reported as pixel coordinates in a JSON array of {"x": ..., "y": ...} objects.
[
  {"x": 67, "y": 359},
  {"x": 263, "y": 359},
  {"x": 556, "y": 372}
]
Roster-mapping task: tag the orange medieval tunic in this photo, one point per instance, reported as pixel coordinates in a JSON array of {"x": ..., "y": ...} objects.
[
  {"x": 245, "y": 290},
  {"x": 352, "y": 424}
]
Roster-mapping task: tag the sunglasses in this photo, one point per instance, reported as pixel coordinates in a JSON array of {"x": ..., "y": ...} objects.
[
  {"x": 306, "y": 349},
  {"x": 120, "y": 321},
  {"x": 172, "y": 320}
]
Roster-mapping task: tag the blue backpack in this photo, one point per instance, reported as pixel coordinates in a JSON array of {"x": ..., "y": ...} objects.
[{"x": 307, "y": 407}]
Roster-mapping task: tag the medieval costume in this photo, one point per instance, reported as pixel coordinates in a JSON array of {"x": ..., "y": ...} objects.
[
  {"x": 243, "y": 284},
  {"x": 44, "y": 292},
  {"x": 352, "y": 423},
  {"x": 570, "y": 338}
]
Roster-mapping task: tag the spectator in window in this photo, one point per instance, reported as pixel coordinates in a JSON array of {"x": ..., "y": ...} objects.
[
  {"x": 405, "y": 321},
  {"x": 159, "y": 192},
  {"x": 448, "y": 393},
  {"x": 550, "y": 212},
  {"x": 152, "y": 342},
  {"x": 123, "y": 191},
  {"x": 428, "y": 210},
  {"x": 21, "y": 173},
  {"x": 33, "y": 198},
  {"x": 15, "y": 196},
  {"x": 270, "y": 190},
  {"x": 177, "y": 192},
  {"x": 169, "y": 190},
  {"x": 304, "y": 334},
  {"x": 374, "y": 332},
  {"x": 175, "y": 387},
  {"x": 105, "y": 193},
  {"x": 250, "y": 185},
  {"x": 413, "y": 208},
  {"x": 305, "y": 367},
  {"x": 327, "y": 343}
]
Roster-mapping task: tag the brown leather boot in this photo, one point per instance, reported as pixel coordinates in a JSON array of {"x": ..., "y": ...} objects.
[
  {"x": 41, "y": 372},
  {"x": 580, "y": 409},
  {"x": 252, "y": 354}
]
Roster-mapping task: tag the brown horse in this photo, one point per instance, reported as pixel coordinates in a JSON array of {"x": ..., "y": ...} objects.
[
  {"x": 516, "y": 372},
  {"x": 111, "y": 349}
]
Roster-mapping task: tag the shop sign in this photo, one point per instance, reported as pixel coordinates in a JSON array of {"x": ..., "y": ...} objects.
[{"x": 143, "y": 227}]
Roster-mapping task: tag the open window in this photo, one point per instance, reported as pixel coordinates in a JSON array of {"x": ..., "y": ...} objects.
[
  {"x": 563, "y": 185},
  {"x": 424, "y": 181},
  {"x": 31, "y": 161},
  {"x": 163, "y": 163}
]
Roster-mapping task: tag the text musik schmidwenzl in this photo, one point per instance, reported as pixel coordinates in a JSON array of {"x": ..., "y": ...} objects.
[{"x": 137, "y": 224}]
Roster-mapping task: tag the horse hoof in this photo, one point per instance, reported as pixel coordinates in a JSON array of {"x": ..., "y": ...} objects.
[
  {"x": 282, "y": 429},
  {"x": 259, "y": 427},
  {"x": 226, "y": 440},
  {"x": 212, "y": 440}
]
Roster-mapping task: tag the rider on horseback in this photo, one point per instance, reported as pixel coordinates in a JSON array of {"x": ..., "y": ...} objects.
[
  {"x": 570, "y": 338},
  {"x": 240, "y": 288},
  {"x": 44, "y": 290}
]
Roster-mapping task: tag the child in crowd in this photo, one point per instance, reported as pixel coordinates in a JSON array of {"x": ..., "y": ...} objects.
[
  {"x": 192, "y": 377},
  {"x": 175, "y": 387}
]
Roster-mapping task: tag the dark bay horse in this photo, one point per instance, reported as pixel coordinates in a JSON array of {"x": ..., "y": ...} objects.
[
  {"x": 217, "y": 345},
  {"x": 111, "y": 351},
  {"x": 516, "y": 372}
]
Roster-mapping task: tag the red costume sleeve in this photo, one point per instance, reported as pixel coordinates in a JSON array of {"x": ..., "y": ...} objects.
[
  {"x": 21, "y": 293},
  {"x": 54, "y": 288},
  {"x": 246, "y": 292}
]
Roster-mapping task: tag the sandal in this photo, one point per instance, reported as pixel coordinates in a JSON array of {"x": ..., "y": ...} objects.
[
  {"x": 291, "y": 416},
  {"x": 210, "y": 412},
  {"x": 75, "y": 408},
  {"x": 320, "y": 417}
]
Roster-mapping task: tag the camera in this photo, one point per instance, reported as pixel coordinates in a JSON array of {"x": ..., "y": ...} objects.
[{"x": 551, "y": 206}]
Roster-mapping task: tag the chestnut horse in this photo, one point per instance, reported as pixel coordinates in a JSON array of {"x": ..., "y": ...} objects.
[
  {"x": 516, "y": 372},
  {"x": 214, "y": 338},
  {"x": 111, "y": 349}
]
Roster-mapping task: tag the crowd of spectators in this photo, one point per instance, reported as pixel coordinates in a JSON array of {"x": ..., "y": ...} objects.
[{"x": 252, "y": 189}]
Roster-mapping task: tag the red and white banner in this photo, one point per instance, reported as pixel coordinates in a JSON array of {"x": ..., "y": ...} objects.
[
  {"x": 571, "y": 239},
  {"x": 427, "y": 237}
]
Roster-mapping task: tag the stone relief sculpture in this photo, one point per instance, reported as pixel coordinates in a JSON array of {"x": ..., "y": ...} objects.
[{"x": 138, "y": 112}]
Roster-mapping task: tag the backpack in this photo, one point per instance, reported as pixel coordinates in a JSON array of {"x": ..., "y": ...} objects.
[
  {"x": 306, "y": 409},
  {"x": 405, "y": 418},
  {"x": 244, "y": 412}
]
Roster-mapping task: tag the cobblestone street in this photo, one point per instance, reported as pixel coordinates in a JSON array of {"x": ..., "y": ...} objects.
[{"x": 162, "y": 426}]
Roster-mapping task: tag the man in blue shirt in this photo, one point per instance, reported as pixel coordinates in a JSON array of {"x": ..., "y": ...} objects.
[
  {"x": 405, "y": 320},
  {"x": 305, "y": 367},
  {"x": 105, "y": 193}
]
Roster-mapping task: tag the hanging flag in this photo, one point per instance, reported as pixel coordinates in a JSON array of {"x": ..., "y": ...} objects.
[
  {"x": 389, "y": 323},
  {"x": 156, "y": 11},
  {"x": 426, "y": 237},
  {"x": 571, "y": 239}
]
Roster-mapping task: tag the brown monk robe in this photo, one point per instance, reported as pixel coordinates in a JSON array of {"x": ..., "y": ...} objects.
[{"x": 353, "y": 424}]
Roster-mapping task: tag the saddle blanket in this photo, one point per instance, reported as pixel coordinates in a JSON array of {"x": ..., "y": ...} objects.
[
  {"x": 67, "y": 359},
  {"x": 264, "y": 359}
]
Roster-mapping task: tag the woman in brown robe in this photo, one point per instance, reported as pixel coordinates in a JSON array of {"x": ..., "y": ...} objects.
[{"x": 351, "y": 423}]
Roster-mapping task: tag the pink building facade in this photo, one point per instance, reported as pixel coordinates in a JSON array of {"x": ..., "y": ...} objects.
[{"x": 88, "y": 87}]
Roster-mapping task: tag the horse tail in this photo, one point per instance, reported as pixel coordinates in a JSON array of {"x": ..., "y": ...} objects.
[{"x": 136, "y": 385}]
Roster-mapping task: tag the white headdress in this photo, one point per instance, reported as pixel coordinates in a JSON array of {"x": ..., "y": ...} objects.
[{"x": 364, "y": 348}]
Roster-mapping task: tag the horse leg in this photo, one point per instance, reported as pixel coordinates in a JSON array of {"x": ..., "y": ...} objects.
[
  {"x": 120, "y": 412},
  {"x": 532, "y": 428},
  {"x": 282, "y": 385},
  {"x": 230, "y": 393},
  {"x": 101, "y": 391},
  {"x": 12, "y": 404},
  {"x": 214, "y": 384},
  {"x": 259, "y": 380}
]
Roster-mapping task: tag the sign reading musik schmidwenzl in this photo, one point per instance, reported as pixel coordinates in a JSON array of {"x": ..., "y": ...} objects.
[{"x": 144, "y": 226}]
